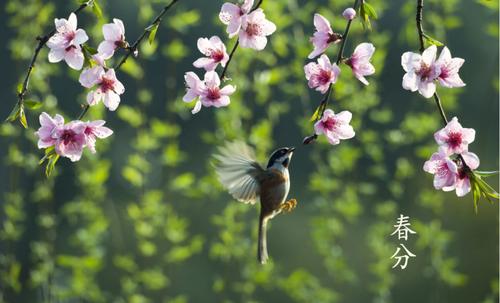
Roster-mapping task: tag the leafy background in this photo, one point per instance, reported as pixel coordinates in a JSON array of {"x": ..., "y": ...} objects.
[{"x": 145, "y": 220}]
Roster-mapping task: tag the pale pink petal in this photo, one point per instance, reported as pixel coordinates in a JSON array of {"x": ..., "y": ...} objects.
[
  {"x": 80, "y": 37},
  {"x": 111, "y": 100},
  {"x": 111, "y": 32},
  {"x": 321, "y": 23},
  {"x": 94, "y": 97},
  {"x": 106, "y": 49},
  {"x": 429, "y": 55},
  {"x": 91, "y": 76},
  {"x": 197, "y": 108},
  {"x": 471, "y": 159},
  {"x": 410, "y": 81},
  {"x": 427, "y": 89},
  {"x": 410, "y": 61},
  {"x": 56, "y": 55},
  {"x": 212, "y": 79},
  {"x": 228, "y": 90},
  {"x": 72, "y": 22},
  {"x": 74, "y": 58}
]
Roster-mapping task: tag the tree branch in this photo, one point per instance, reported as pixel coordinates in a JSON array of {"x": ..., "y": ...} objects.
[
  {"x": 42, "y": 41},
  {"x": 133, "y": 48},
  {"x": 340, "y": 54}
]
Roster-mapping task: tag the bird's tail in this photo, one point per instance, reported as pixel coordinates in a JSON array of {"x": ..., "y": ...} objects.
[{"x": 262, "y": 246}]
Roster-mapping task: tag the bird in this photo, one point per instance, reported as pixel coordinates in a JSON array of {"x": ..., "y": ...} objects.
[{"x": 247, "y": 181}]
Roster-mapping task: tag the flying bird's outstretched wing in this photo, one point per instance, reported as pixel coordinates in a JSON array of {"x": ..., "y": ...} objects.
[{"x": 238, "y": 171}]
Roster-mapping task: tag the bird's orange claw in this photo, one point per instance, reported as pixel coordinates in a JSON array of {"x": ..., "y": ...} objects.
[{"x": 289, "y": 205}]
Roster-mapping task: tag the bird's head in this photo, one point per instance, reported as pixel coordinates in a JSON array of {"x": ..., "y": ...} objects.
[{"x": 281, "y": 157}]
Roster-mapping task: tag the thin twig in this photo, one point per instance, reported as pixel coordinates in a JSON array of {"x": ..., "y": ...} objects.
[
  {"x": 223, "y": 73},
  {"x": 42, "y": 41},
  {"x": 133, "y": 48}
]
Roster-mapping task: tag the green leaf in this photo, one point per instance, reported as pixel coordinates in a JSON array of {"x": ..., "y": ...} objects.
[
  {"x": 370, "y": 11},
  {"x": 89, "y": 49},
  {"x": 14, "y": 114},
  {"x": 152, "y": 32},
  {"x": 96, "y": 8},
  {"x": 315, "y": 116},
  {"x": 486, "y": 173},
  {"x": 365, "y": 19},
  {"x": 32, "y": 104},
  {"x": 20, "y": 88},
  {"x": 51, "y": 164},
  {"x": 22, "y": 117},
  {"x": 432, "y": 41}
]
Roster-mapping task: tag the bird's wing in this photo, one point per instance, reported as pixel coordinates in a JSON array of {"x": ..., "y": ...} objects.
[{"x": 238, "y": 171}]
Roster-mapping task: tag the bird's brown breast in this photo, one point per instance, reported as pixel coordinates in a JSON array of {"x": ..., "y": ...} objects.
[{"x": 273, "y": 190}]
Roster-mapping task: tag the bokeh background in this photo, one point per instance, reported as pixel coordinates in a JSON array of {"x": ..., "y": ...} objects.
[{"x": 145, "y": 220}]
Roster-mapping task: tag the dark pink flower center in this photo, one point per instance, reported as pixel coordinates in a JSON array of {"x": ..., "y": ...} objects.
[
  {"x": 254, "y": 29},
  {"x": 425, "y": 72},
  {"x": 107, "y": 84},
  {"x": 324, "y": 76},
  {"x": 462, "y": 173},
  {"x": 444, "y": 73},
  {"x": 69, "y": 48},
  {"x": 213, "y": 93},
  {"x": 333, "y": 37},
  {"x": 329, "y": 123},
  {"x": 217, "y": 55},
  {"x": 70, "y": 36},
  {"x": 68, "y": 136},
  {"x": 454, "y": 139},
  {"x": 88, "y": 131}
]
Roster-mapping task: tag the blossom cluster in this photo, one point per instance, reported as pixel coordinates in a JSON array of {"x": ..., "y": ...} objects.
[
  {"x": 423, "y": 71},
  {"x": 68, "y": 44},
  {"x": 453, "y": 163},
  {"x": 69, "y": 139},
  {"x": 251, "y": 27},
  {"x": 322, "y": 74}
]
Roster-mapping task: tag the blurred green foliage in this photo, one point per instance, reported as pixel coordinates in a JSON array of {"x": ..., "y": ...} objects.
[{"x": 145, "y": 219}]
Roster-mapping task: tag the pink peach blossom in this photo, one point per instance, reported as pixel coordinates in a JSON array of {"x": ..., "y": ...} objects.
[
  {"x": 108, "y": 89},
  {"x": 360, "y": 62},
  {"x": 231, "y": 15},
  {"x": 48, "y": 128},
  {"x": 443, "y": 169},
  {"x": 114, "y": 37},
  {"x": 449, "y": 67},
  {"x": 323, "y": 36},
  {"x": 454, "y": 138},
  {"x": 65, "y": 43},
  {"x": 320, "y": 75},
  {"x": 254, "y": 30},
  {"x": 215, "y": 52},
  {"x": 94, "y": 130},
  {"x": 70, "y": 140},
  {"x": 335, "y": 126},
  {"x": 421, "y": 71},
  {"x": 207, "y": 91}
]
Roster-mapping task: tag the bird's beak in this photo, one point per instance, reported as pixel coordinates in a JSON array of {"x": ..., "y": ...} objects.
[{"x": 291, "y": 149}]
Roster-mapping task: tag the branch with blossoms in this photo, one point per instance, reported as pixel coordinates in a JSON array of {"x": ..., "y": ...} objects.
[
  {"x": 68, "y": 43},
  {"x": 453, "y": 165},
  {"x": 322, "y": 75},
  {"x": 18, "y": 112},
  {"x": 246, "y": 21}
]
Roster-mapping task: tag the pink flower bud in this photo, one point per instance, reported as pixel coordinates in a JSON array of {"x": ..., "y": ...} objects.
[{"x": 349, "y": 13}]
